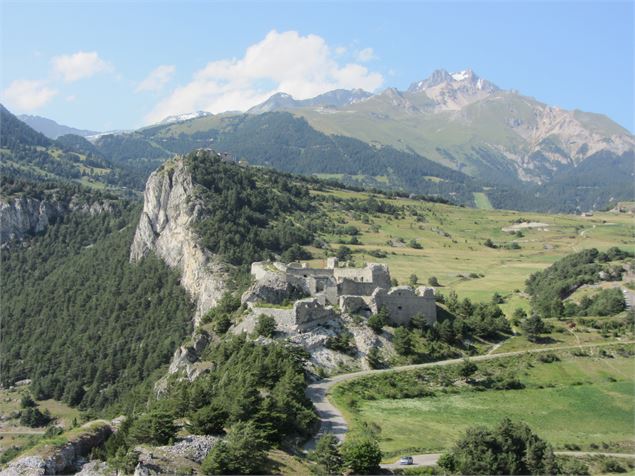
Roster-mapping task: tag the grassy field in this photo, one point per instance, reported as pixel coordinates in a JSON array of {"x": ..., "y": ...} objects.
[
  {"x": 583, "y": 400},
  {"x": 481, "y": 201},
  {"x": 13, "y": 434},
  {"x": 452, "y": 239}
]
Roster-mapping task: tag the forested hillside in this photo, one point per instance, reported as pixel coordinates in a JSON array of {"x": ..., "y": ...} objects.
[
  {"x": 287, "y": 143},
  {"x": 80, "y": 321},
  {"x": 28, "y": 154}
]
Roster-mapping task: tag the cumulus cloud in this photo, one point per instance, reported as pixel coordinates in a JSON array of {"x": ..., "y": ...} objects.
[
  {"x": 302, "y": 66},
  {"x": 365, "y": 55},
  {"x": 157, "y": 78},
  {"x": 79, "y": 65},
  {"x": 27, "y": 95}
]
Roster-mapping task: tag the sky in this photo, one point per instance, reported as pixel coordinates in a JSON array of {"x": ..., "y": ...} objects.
[{"x": 121, "y": 65}]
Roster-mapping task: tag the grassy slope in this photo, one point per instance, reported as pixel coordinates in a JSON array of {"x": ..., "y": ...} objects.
[
  {"x": 463, "y": 253},
  {"x": 12, "y": 433},
  {"x": 481, "y": 201},
  {"x": 578, "y": 401}
]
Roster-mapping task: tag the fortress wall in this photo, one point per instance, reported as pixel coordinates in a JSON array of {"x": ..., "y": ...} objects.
[
  {"x": 311, "y": 312},
  {"x": 349, "y": 287},
  {"x": 403, "y": 304},
  {"x": 354, "y": 304},
  {"x": 355, "y": 274}
]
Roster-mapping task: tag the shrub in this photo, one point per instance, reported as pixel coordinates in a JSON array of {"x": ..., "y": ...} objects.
[
  {"x": 467, "y": 369},
  {"x": 612, "y": 465},
  {"x": 377, "y": 253},
  {"x": 266, "y": 326},
  {"x": 415, "y": 244},
  {"x": 548, "y": 358},
  {"x": 533, "y": 327},
  {"x": 497, "y": 299},
  {"x": 295, "y": 253},
  {"x": 361, "y": 455},
  {"x": 344, "y": 253},
  {"x": 327, "y": 454},
  {"x": 222, "y": 323},
  {"x": 433, "y": 281},
  {"x": 27, "y": 401},
  {"x": 156, "y": 427},
  {"x": 510, "y": 448},
  {"x": 376, "y": 322},
  {"x": 341, "y": 343},
  {"x": 374, "y": 359},
  {"x": 209, "y": 420},
  {"x": 489, "y": 243},
  {"x": 33, "y": 417},
  {"x": 244, "y": 451},
  {"x": 402, "y": 341},
  {"x": 573, "y": 466}
]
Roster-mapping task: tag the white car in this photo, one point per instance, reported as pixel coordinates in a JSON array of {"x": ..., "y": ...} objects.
[{"x": 406, "y": 460}]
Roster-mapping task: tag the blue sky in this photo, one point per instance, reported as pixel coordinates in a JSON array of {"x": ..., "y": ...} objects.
[{"x": 114, "y": 65}]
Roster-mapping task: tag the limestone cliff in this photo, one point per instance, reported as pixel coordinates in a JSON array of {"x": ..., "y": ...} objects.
[
  {"x": 165, "y": 228},
  {"x": 61, "y": 459},
  {"x": 24, "y": 216}
]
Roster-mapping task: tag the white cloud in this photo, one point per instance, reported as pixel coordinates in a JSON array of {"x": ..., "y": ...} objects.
[
  {"x": 366, "y": 55},
  {"x": 303, "y": 66},
  {"x": 27, "y": 95},
  {"x": 71, "y": 98},
  {"x": 79, "y": 65},
  {"x": 157, "y": 78}
]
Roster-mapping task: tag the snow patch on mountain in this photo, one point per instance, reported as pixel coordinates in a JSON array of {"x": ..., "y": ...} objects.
[{"x": 185, "y": 117}]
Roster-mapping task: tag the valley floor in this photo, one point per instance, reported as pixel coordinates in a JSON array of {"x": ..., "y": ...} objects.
[{"x": 583, "y": 401}]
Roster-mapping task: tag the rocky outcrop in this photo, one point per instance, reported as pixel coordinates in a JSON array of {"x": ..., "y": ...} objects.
[
  {"x": 25, "y": 216},
  {"x": 165, "y": 228},
  {"x": 186, "y": 356},
  {"x": 183, "y": 457},
  {"x": 273, "y": 288},
  {"x": 62, "y": 459}
]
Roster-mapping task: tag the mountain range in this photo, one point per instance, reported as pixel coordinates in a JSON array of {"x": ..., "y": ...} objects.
[
  {"x": 52, "y": 129},
  {"x": 469, "y": 124},
  {"x": 455, "y": 135}
]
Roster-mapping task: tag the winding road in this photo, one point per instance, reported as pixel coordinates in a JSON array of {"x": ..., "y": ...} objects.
[
  {"x": 430, "y": 459},
  {"x": 332, "y": 420}
]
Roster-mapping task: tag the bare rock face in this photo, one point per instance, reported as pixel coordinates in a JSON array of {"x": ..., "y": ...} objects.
[
  {"x": 62, "y": 459},
  {"x": 24, "y": 216},
  {"x": 273, "y": 288},
  {"x": 165, "y": 228}
]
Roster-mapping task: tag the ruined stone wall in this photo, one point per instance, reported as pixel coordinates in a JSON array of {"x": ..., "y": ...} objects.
[
  {"x": 402, "y": 304},
  {"x": 371, "y": 273},
  {"x": 354, "y": 304},
  {"x": 356, "y": 288},
  {"x": 306, "y": 272},
  {"x": 311, "y": 312}
]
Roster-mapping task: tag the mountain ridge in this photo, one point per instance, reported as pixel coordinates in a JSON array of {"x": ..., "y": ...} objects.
[{"x": 51, "y": 128}]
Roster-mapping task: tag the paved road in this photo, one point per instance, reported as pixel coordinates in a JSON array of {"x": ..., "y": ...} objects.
[
  {"x": 332, "y": 420},
  {"x": 430, "y": 459}
]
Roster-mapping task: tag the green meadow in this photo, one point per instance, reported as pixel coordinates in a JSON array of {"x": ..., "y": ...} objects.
[
  {"x": 585, "y": 400},
  {"x": 452, "y": 240}
]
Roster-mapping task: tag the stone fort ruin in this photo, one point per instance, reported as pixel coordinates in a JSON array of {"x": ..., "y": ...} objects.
[{"x": 361, "y": 291}]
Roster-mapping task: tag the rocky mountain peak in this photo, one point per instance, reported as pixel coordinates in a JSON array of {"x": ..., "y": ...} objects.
[{"x": 463, "y": 79}]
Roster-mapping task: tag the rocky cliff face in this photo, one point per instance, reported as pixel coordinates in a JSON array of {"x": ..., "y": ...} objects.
[
  {"x": 64, "y": 459},
  {"x": 165, "y": 228},
  {"x": 24, "y": 216}
]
